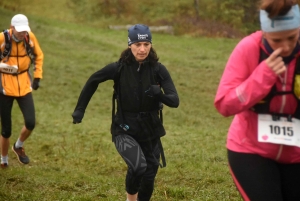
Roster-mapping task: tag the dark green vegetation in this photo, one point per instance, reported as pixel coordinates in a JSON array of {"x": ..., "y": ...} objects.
[
  {"x": 225, "y": 18},
  {"x": 79, "y": 162}
]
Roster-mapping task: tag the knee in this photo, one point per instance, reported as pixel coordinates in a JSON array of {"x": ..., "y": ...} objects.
[
  {"x": 138, "y": 171},
  {"x": 6, "y": 134},
  {"x": 30, "y": 125},
  {"x": 150, "y": 173}
]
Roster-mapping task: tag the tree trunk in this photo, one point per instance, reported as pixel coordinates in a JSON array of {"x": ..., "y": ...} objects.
[{"x": 196, "y": 5}]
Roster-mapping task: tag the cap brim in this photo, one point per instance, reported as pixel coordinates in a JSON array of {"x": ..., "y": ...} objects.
[{"x": 22, "y": 28}]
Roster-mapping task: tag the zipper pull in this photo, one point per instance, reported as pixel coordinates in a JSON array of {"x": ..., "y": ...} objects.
[{"x": 138, "y": 70}]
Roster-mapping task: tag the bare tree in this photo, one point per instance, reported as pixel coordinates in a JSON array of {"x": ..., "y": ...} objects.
[{"x": 196, "y": 5}]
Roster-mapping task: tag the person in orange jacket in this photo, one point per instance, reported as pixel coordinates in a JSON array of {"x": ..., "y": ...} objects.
[{"x": 19, "y": 48}]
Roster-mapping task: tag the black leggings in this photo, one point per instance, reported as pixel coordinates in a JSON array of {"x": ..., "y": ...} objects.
[
  {"x": 142, "y": 161},
  {"x": 260, "y": 179},
  {"x": 27, "y": 108}
]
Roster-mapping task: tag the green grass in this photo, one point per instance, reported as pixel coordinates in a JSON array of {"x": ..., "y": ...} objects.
[{"x": 79, "y": 162}]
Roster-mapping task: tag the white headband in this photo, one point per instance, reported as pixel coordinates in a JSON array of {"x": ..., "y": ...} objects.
[{"x": 280, "y": 23}]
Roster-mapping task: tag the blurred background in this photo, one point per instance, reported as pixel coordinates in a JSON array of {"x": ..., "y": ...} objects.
[{"x": 212, "y": 18}]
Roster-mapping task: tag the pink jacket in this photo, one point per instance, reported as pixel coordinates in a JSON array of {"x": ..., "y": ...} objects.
[{"x": 245, "y": 82}]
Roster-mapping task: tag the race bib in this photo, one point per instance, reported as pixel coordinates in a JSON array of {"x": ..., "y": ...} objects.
[
  {"x": 8, "y": 69},
  {"x": 282, "y": 131}
]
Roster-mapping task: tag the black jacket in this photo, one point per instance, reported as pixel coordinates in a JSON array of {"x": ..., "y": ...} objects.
[{"x": 135, "y": 79}]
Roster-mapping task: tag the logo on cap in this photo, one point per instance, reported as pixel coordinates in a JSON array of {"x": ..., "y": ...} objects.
[{"x": 142, "y": 36}]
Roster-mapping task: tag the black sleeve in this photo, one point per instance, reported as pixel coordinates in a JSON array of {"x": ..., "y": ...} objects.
[
  {"x": 106, "y": 73},
  {"x": 170, "y": 96}
]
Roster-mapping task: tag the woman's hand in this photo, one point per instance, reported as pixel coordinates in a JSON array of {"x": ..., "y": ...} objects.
[{"x": 275, "y": 62}]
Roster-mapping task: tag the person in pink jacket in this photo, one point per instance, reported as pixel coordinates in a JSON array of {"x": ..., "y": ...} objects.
[{"x": 260, "y": 86}]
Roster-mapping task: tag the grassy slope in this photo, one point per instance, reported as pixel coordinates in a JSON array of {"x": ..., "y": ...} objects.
[{"x": 79, "y": 162}]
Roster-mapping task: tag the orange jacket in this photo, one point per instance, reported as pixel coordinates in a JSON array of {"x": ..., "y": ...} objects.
[{"x": 20, "y": 85}]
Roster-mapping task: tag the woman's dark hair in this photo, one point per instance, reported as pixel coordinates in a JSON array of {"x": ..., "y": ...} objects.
[
  {"x": 277, "y": 7},
  {"x": 127, "y": 56}
]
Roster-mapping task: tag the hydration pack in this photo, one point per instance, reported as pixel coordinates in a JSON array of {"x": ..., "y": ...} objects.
[
  {"x": 7, "y": 48},
  {"x": 263, "y": 106},
  {"x": 115, "y": 97}
]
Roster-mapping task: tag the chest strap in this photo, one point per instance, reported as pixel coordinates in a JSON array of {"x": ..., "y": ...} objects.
[
  {"x": 263, "y": 106},
  {"x": 17, "y": 73}
]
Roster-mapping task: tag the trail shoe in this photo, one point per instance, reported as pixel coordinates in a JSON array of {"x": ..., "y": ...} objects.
[
  {"x": 20, "y": 152},
  {"x": 4, "y": 165}
]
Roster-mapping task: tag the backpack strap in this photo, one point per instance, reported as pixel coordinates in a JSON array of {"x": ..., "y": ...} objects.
[
  {"x": 29, "y": 49},
  {"x": 158, "y": 78},
  {"x": 263, "y": 105},
  {"x": 162, "y": 154},
  {"x": 116, "y": 97},
  {"x": 7, "y": 47}
]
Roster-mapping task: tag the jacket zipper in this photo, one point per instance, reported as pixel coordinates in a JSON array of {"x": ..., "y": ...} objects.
[
  {"x": 283, "y": 103},
  {"x": 283, "y": 82},
  {"x": 18, "y": 67},
  {"x": 138, "y": 70},
  {"x": 140, "y": 86},
  {"x": 279, "y": 152}
]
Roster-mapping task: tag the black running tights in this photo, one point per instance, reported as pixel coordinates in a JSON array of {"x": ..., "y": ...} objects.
[
  {"x": 27, "y": 108},
  {"x": 142, "y": 161},
  {"x": 260, "y": 179}
]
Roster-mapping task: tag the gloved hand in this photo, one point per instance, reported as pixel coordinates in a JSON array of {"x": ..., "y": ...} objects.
[
  {"x": 77, "y": 116},
  {"x": 36, "y": 83},
  {"x": 153, "y": 90}
]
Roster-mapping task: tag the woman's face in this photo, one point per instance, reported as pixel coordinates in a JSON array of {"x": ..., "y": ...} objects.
[
  {"x": 140, "y": 50},
  {"x": 286, "y": 40}
]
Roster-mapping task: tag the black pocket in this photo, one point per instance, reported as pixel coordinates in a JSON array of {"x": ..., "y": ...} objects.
[
  {"x": 117, "y": 126},
  {"x": 118, "y": 123},
  {"x": 152, "y": 126},
  {"x": 134, "y": 126},
  {"x": 141, "y": 127},
  {"x": 157, "y": 125}
]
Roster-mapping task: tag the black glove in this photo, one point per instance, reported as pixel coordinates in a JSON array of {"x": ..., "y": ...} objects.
[
  {"x": 36, "y": 83},
  {"x": 153, "y": 90},
  {"x": 77, "y": 116}
]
